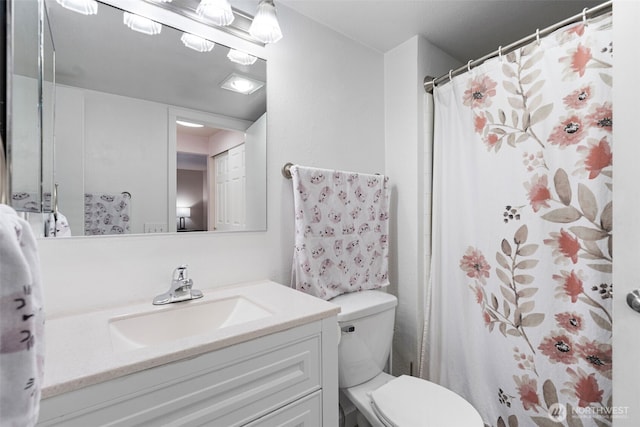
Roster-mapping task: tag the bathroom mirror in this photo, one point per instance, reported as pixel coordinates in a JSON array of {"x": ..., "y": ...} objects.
[{"x": 126, "y": 159}]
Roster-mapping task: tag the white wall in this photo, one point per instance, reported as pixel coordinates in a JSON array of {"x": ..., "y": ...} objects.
[
  {"x": 256, "y": 170},
  {"x": 69, "y": 168},
  {"x": 125, "y": 149},
  {"x": 325, "y": 108},
  {"x": 189, "y": 143},
  {"x": 26, "y": 130},
  {"x": 405, "y": 66},
  {"x": 109, "y": 144},
  {"x": 626, "y": 205},
  {"x": 224, "y": 140}
]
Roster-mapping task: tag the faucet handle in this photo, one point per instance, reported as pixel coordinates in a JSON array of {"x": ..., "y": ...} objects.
[{"x": 181, "y": 273}]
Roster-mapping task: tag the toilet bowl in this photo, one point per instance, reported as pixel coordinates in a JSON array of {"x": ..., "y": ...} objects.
[{"x": 366, "y": 322}]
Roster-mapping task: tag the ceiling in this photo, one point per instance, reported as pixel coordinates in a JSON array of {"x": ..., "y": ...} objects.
[{"x": 466, "y": 29}]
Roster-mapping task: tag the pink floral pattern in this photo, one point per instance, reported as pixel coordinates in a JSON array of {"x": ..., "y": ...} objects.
[
  {"x": 545, "y": 296},
  {"x": 528, "y": 391},
  {"x": 596, "y": 157},
  {"x": 577, "y": 60},
  {"x": 538, "y": 192},
  {"x": 558, "y": 347},
  {"x": 579, "y": 98},
  {"x": 565, "y": 246},
  {"x": 583, "y": 387},
  {"x": 601, "y": 116},
  {"x": 475, "y": 265},
  {"x": 480, "y": 92},
  {"x": 570, "y": 131},
  {"x": 570, "y": 322}
]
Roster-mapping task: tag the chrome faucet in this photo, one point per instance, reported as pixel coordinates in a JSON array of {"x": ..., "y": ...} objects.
[{"x": 180, "y": 290}]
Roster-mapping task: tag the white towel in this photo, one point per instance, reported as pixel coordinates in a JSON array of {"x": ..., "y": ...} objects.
[
  {"x": 57, "y": 225},
  {"x": 342, "y": 222},
  {"x": 21, "y": 322}
]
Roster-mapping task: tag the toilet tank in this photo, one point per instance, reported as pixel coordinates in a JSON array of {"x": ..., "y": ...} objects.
[{"x": 366, "y": 322}]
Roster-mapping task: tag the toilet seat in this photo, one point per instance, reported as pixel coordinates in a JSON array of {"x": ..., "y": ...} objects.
[{"x": 411, "y": 401}]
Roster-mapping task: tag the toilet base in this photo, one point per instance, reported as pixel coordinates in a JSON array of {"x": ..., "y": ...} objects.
[
  {"x": 362, "y": 421},
  {"x": 349, "y": 412},
  {"x": 358, "y": 395}
]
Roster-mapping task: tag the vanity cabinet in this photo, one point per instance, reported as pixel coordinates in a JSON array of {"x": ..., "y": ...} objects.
[{"x": 288, "y": 378}]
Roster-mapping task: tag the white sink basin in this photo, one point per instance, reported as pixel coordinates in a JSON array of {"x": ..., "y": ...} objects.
[{"x": 181, "y": 320}]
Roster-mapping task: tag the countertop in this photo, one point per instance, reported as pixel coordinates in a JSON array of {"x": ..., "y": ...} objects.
[{"x": 79, "y": 352}]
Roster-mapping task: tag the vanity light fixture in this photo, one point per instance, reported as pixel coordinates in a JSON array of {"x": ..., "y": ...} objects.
[
  {"x": 241, "y": 84},
  {"x": 240, "y": 57},
  {"x": 197, "y": 43},
  {"x": 189, "y": 124},
  {"x": 85, "y": 7},
  {"x": 141, "y": 24},
  {"x": 265, "y": 27},
  {"x": 218, "y": 11}
]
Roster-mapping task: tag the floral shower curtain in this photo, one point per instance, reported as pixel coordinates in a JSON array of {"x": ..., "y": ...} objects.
[{"x": 519, "y": 319}]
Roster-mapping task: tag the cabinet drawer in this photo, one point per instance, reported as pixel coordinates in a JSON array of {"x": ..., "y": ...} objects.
[
  {"x": 229, "y": 387},
  {"x": 305, "y": 412}
]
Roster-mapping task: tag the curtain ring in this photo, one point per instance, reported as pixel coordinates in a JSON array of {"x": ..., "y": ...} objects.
[
  {"x": 538, "y": 36},
  {"x": 450, "y": 71},
  {"x": 584, "y": 16},
  {"x": 469, "y": 66},
  {"x": 500, "y": 53},
  {"x": 433, "y": 85}
]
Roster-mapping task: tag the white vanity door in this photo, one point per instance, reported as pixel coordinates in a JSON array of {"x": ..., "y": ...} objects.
[{"x": 306, "y": 412}]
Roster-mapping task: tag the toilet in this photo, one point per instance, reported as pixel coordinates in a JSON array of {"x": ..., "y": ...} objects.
[{"x": 366, "y": 323}]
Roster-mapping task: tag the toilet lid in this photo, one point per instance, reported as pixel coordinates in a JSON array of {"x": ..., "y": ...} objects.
[{"x": 410, "y": 401}]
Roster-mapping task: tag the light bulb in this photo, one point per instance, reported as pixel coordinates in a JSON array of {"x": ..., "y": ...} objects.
[
  {"x": 265, "y": 26},
  {"x": 141, "y": 24},
  {"x": 240, "y": 57},
  {"x": 197, "y": 43},
  {"x": 218, "y": 11},
  {"x": 85, "y": 7}
]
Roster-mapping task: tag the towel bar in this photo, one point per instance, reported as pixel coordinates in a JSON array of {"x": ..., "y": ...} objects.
[{"x": 286, "y": 170}]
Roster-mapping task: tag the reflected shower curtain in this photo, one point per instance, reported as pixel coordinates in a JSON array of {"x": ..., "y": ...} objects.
[{"x": 519, "y": 318}]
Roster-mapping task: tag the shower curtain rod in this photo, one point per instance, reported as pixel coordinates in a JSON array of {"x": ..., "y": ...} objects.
[{"x": 429, "y": 82}]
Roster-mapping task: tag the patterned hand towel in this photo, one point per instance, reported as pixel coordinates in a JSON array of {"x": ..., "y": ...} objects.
[
  {"x": 342, "y": 222},
  {"x": 106, "y": 214},
  {"x": 21, "y": 322}
]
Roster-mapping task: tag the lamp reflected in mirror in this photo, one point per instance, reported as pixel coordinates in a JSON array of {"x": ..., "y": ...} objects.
[{"x": 182, "y": 213}]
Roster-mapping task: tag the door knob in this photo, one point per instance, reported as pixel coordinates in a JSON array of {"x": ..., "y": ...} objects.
[{"x": 633, "y": 299}]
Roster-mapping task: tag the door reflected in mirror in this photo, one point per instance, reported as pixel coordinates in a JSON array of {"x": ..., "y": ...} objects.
[
  {"x": 122, "y": 162},
  {"x": 214, "y": 189}
]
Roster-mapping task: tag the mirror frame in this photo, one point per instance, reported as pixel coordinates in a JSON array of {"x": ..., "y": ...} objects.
[{"x": 7, "y": 159}]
